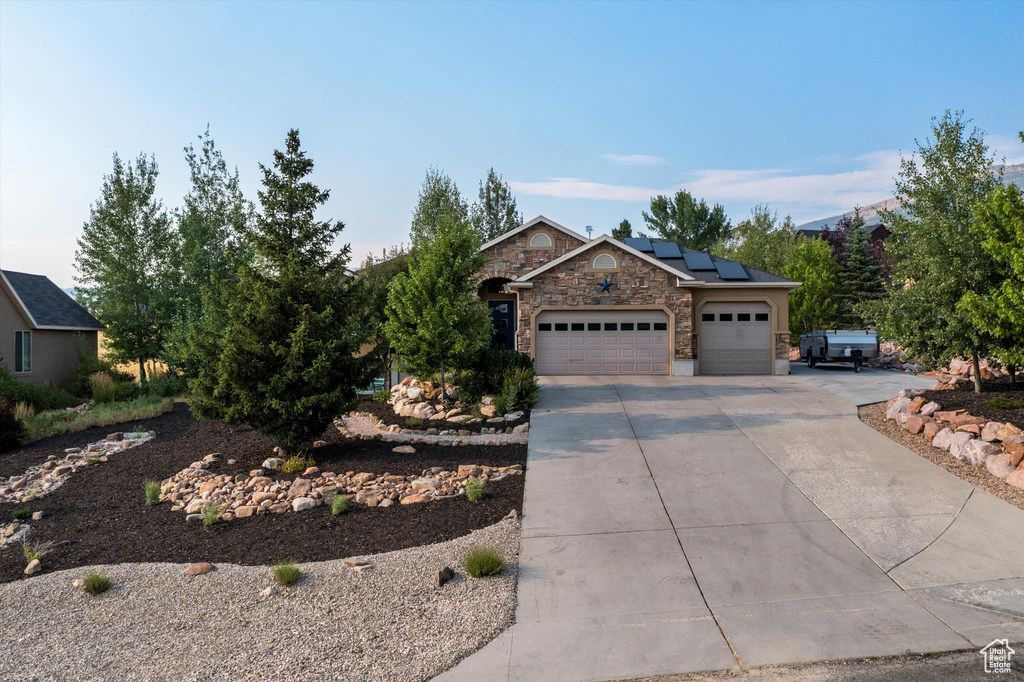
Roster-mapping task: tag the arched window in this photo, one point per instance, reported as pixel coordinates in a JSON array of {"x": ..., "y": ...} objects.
[
  {"x": 541, "y": 240},
  {"x": 605, "y": 261}
]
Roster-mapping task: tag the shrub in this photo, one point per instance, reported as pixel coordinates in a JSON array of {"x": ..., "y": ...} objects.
[
  {"x": 22, "y": 514},
  {"x": 41, "y": 398},
  {"x": 296, "y": 463},
  {"x": 211, "y": 514},
  {"x": 166, "y": 386},
  {"x": 287, "y": 574},
  {"x": 152, "y": 489},
  {"x": 487, "y": 374},
  {"x": 339, "y": 505},
  {"x": 382, "y": 396},
  {"x": 103, "y": 388},
  {"x": 93, "y": 461},
  {"x": 62, "y": 421},
  {"x": 474, "y": 489},
  {"x": 24, "y": 412},
  {"x": 96, "y": 583},
  {"x": 35, "y": 550},
  {"x": 1001, "y": 402},
  {"x": 12, "y": 430},
  {"x": 483, "y": 561},
  {"x": 414, "y": 421},
  {"x": 519, "y": 391}
]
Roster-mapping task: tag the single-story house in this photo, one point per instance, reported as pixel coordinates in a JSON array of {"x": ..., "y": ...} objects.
[
  {"x": 42, "y": 329},
  {"x": 635, "y": 306}
]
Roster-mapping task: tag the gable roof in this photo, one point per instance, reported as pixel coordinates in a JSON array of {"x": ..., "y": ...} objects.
[
  {"x": 605, "y": 239},
  {"x": 46, "y": 305},
  {"x": 713, "y": 277},
  {"x": 535, "y": 221}
]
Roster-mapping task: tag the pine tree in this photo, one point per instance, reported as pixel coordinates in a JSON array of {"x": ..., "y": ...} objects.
[
  {"x": 860, "y": 278},
  {"x": 623, "y": 231},
  {"x": 494, "y": 213},
  {"x": 124, "y": 263},
  {"x": 439, "y": 196},
  {"x": 936, "y": 262},
  {"x": 284, "y": 362},
  {"x": 435, "y": 321}
]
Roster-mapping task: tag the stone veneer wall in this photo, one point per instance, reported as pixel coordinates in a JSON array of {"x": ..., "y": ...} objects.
[
  {"x": 573, "y": 283},
  {"x": 782, "y": 346},
  {"x": 512, "y": 259}
]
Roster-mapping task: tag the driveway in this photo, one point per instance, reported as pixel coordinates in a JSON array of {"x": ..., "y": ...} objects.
[{"x": 676, "y": 524}]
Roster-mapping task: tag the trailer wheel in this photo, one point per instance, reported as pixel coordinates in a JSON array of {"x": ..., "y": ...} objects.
[
  {"x": 810, "y": 360},
  {"x": 856, "y": 366}
]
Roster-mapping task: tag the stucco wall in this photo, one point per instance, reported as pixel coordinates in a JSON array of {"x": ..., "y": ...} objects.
[
  {"x": 637, "y": 283},
  {"x": 512, "y": 258}
]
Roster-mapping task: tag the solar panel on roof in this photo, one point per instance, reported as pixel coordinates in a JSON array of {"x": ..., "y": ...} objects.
[
  {"x": 698, "y": 261},
  {"x": 727, "y": 270},
  {"x": 667, "y": 250},
  {"x": 639, "y": 243}
]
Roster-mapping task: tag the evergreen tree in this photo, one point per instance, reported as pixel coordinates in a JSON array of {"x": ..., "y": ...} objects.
[
  {"x": 494, "y": 212},
  {"x": 936, "y": 262},
  {"x": 124, "y": 263},
  {"x": 434, "y": 319},
  {"x": 210, "y": 224},
  {"x": 285, "y": 362},
  {"x": 623, "y": 231},
  {"x": 860, "y": 275},
  {"x": 439, "y": 196},
  {"x": 812, "y": 305},
  {"x": 682, "y": 219}
]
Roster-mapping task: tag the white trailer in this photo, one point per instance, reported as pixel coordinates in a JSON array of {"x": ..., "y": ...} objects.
[{"x": 839, "y": 345}]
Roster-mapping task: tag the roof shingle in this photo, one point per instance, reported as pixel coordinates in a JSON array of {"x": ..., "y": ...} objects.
[{"x": 48, "y": 305}]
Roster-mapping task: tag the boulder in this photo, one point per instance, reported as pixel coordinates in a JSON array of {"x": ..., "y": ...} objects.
[
  {"x": 522, "y": 428},
  {"x": 977, "y": 451},
  {"x": 898, "y": 406},
  {"x": 363, "y": 478},
  {"x": 958, "y": 445},
  {"x": 947, "y": 416},
  {"x": 415, "y": 393},
  {"x": 1011, "y": 430},
  {"x": 513, "y": 416},
  {"x": 300, "y": 487},
  {"x": 201, "y": 568},
  {"x": 245, "y": 511},
  {"x": 311, "y": 472},
  {"x": 967, "y": 420},
  {"x": 426, "y": 484},
  {"x": 195, "y": 506},
  {"x": 999, "y": 466},
  {"x": 423, "y": 411},
  {"x": 467, "y": 470},
  {"x": 972, "y": 429},
  {"x": 916, "y": 423},
  {"x": 488, "y": 410},
  {"x": 261, "y": 481},
  {"x": 930, "y": 429},
  {"x": 928, "y": 409},
  {"x": 415, "y": 499},
  {"x": 992, "y": 431},
  {"x": 273, "y": 463},
  {"x": 404, "y": 449},
  {"x": 916, "y": 404},
  {"x": 942, "y": 439},
  {"x": 366, "y": 496},
  {"x": 114, "y": 437},
  {"x": 33, "y": 567},
  {"x": 1014, "y": 446},
  {"x": 303, "y": 503},
  {"x": 208, "y": 487}
]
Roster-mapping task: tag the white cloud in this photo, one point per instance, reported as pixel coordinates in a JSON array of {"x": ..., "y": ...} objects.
[
  {"x": 635, "y": 159},
  {"x": 1010, "y": 147}
]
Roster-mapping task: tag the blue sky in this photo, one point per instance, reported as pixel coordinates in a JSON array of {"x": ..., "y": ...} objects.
[{"x": 586, "y": 108}]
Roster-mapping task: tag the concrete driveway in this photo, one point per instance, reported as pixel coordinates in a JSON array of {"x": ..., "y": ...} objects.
[{"x": 677, "y": 524}]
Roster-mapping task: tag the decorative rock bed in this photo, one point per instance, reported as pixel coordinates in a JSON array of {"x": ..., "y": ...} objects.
[
  {"x": 368, "y": 427},
  {"x": 997, "y": 446},
  {"x": 192, "y": 489}
]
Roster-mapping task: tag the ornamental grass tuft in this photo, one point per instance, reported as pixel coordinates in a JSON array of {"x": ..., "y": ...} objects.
[
  {"x": 22, "y": 514},
  {"x": 297, "y": 464},
  {"x": 211, "y": 514},
  {"x": 286, "y": 574},
  {"x": 339, "y": 505},
  {"x": 474, "y": 489},
  {"x": 152, "y": 489},
  {"x": 1001, "y": 402},
  {"x": 483, "y": 561},
  {"x": 96, "y": 583}
]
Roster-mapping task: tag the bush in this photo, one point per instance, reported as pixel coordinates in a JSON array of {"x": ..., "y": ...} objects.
[
  {"x": 211, "y": 514},
  {"x": 103, "y": 388},
  {"x": 474, "y": 489},
  {"x": 35, "y": 550},
  {"x": 152, "y": 489},
  {"x": 12, "y": 430},
  {"x": 24, "y": 412},
  {"x": 519, "y": 391},
  {"x": 487, "y": 374},
  {"x": 414, "y": 421},
  {"x": 382, "y": 396},
  {"x": 339, "y": 505},
  {"x": 41, "y": 398},
  {"x": 296, "y": 464},
  {"x": 1001, "y": 402},
  {"x": 89, "y": 364},
  {"x": 96, "y": 583},
  {"x": 93, "y": 461},
  {"x": 483, "y": 561},
  {"x": 287, "y": 574},
  {"x": 166, "y": 386},
  {"x": 22, "y": 514}
]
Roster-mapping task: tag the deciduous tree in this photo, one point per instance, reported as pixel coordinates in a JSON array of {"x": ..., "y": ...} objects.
[
  {"x": 812, "y": 305},
  {"x": 494, "y": 213},
  {"x": 761, "y": 242},
  {"x": 375, "y": 276},
  {"x": 685, "y": 220},
  {"x": 439, "y": 196}
]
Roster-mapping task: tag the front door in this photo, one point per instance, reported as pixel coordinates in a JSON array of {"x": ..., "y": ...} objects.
[{"x": 503, "y": 317}]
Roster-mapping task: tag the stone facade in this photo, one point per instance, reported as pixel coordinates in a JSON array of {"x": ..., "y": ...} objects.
[
  {"x": 512, "y": 258},
  {"x": 637, "y": 283}
]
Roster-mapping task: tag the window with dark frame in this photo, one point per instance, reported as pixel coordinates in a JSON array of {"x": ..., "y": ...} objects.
[
  {"x": 760, "y": 317},
  {"x": 660, "y": 326},
  {"x": 725, "y": 317},
  {"x": 561, "y": 326},
  {"x": 22, "y": 352},
  {"x": 544, "y": 327},
  {"x": 707, "y": 317},
  {"x": 626, "y": 326},
  {"x": 593, "y": 326},
  {"x": 643, "y": 326},
  {"x": 577, "y": 326},
  {"x": 743, "y": 317},
  {"x": 611, "y": 326}
]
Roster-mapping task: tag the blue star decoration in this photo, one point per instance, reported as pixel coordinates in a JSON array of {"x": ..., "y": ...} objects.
[{"x": 606, "y": 286}]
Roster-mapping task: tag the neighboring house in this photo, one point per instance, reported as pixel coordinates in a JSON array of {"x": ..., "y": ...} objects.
[
  {"x": 876, "y": 233},
  {"x": 636, "y": 306},
  {"x": 42, "y": 329}
]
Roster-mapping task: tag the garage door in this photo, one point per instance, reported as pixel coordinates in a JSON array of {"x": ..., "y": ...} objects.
[
  {"x": 736, "y": 338},
  {"x": 602, "y": 342}
]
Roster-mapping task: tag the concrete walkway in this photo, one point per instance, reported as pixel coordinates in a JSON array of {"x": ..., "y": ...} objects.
[{"x": 678, "y": 524}]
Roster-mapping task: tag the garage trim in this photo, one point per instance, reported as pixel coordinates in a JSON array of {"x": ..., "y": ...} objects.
[{"x": 601, "y": 308}]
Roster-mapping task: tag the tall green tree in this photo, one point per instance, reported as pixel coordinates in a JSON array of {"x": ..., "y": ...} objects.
[
  {"x": 285, "y": 362},
  {"x": 761, "y": 242},
  {"x": 434, "y": 319},
  {"x": 494, "y": 213},
  {"x": 210, "y": 225},
  {"x": 812, "y": 305},
  {"x": 124, "y": 263},
  {"x": 439, "y": 197},
  {"x": 936, "y": 261},
  {"x": 685, "y": 220},
  {"x": 623, "y": 231},
  {"x": 999, "y": 228},
  {"x": 860, "y": 279},
  {"x": 375, "y": 276}
]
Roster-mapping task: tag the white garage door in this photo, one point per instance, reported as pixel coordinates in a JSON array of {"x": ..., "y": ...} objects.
[
  {"x": 736, "y": 338},
  {"x": 602, "y": 342}
]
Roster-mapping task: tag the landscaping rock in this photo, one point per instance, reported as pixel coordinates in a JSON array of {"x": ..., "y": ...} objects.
[
  {"x": 422, "y": 484},
  {"x": 201, "y": 568},
  {"x": 1011, "y": 430},
  {"x": 36, "y": 515},
  {"x": 303, "y": 503},
  {"x": 363, "y": 478},
  {"x": 444, "y": 575},
  {"x": 194, "y": 518},
  {"x": 115, "y": 437},
  {"x": 898, "y": 406},
  {"x": 300, "y": 487},
  {"x": 195, "y": 506},
  {"x": 33, "y": 567},
  {"x": 972, "y": 429},
  {"x": 999, "y": 466},
  {"x": 946, "y": 416},
  {"x": 267, "y": 592},
  {"x": 928, "y": 409},
  {"x": 488, "y": 410},
  {"x": 992, "y": 431},
  {"x": 261, "y": 497},
  {"x": 967, "y": 420},
  {"x": 311, "y": 472},
  {"x": 245, "y": 511},
  {"x": 273, "y": 463},
  {"x": 522, "y": 428},
  {"x": 958, "y": 445},
  {"x": 467, "y": 470},
  {"x": 916, "y": 404},
  {"x": 916, "y": 423},
  {"x": 1014, "y": 446},
  {"x": 367, "y": 496},
  {"x": 943, "y": 439},
  {"x": 415, "y": 499},
  {"x": 977, "y": 451}
]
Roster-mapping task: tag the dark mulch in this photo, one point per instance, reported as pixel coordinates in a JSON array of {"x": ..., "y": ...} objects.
[
  {"x": 99, "y": 515},
  {"x": 874, "y": 416},
  {"x": 963, "y": 397},
  {"x": 386, "y": 413}
]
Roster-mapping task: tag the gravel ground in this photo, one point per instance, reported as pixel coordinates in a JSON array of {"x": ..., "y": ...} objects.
[
  {"x": 874, "y": 416},
  {"x": 390, "y": 622},
  {"x": 364, "y": 425}
]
